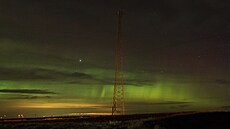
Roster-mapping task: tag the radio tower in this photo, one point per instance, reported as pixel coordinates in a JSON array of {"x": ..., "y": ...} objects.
[{"x": 118, "y": 95}]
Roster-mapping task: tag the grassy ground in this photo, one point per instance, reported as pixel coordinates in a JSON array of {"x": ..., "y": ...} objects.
[{"x": 208, "y": 120}]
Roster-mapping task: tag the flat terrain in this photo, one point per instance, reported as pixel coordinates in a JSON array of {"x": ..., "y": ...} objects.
[{"x": 183, "y": 120}]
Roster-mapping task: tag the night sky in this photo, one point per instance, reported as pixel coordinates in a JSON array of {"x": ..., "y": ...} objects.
[{"x": 57, "y": 56}]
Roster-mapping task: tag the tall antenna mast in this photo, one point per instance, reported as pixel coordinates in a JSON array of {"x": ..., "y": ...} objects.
[{"x": 118, "y": 95}]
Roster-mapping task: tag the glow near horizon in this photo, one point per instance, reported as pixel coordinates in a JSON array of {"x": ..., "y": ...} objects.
[{"x": 91, "y": 95}]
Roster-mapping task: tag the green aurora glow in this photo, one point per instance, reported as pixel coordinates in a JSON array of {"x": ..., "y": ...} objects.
[{"x": 173, "y": 62}]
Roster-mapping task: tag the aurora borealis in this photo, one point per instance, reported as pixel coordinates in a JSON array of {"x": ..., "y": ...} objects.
[{"x": 57, "y": 56}]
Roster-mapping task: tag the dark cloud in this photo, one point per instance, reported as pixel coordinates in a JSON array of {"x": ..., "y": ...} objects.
[
  {"x": 137, "y": 83},
  {"x": 149, "y": 106},
  {"x": 26, "y": 91},
  {"x": 181, "y": 106},
  {"x": 126, "y": 82},
  {"x": 171, "y": 103},
  {"x": 224, "y": 82},
  {"x": 30, "y": 97},
  {"x": 80, "y": 75},
  {"x": 226, "y": 107},
  {"x": 161, "y": 103},
  {"x": 21, "y": 74},
  {"x": 39, "y": 74}
]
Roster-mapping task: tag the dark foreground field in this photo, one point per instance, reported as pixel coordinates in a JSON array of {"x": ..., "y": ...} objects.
[{"x": 186, "y": 120}]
